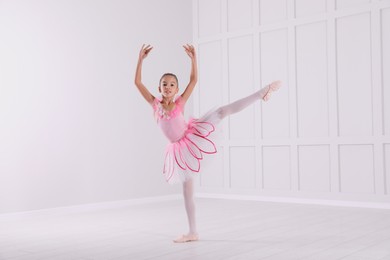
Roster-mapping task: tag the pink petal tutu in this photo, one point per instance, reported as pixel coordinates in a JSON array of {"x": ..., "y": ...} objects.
[{"x": 189, "y": 142}]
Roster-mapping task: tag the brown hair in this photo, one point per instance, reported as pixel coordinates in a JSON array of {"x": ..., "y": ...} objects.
[{"x": 169, "y": 74}]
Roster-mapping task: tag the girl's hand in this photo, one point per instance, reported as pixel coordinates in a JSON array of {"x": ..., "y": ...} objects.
[
  {"x": 190, "y": 50},
  {"x": 145, "y": 51}
]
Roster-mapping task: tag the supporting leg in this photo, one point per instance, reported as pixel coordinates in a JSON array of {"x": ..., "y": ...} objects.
[{"x": 188, "y": 193}]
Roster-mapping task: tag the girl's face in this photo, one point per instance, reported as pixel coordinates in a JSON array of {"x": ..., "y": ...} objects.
[{"x": 168, "y": 86}]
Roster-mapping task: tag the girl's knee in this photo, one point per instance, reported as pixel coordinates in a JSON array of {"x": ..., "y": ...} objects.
[{"x": 220, "y": 113}]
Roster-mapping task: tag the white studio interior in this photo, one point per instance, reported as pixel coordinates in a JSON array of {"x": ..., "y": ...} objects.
[{"x": 76, "y": 137}]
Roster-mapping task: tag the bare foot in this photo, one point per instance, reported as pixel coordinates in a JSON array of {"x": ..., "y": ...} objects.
[
  {"x": 274, "y": 86},
  {"x": 187, "y": 238}
]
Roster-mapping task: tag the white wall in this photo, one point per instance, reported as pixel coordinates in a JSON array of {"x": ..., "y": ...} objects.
[
  {"x": 73, "y": 128},
  {"x": 326, "y": 133}
]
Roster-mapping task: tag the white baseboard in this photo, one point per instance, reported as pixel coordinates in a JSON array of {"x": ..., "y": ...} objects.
[
  {"x": 139, "y": 201},
  {"x": 338, "y": 203}
]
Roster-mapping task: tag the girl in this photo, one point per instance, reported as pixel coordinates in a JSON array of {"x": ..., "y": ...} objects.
[{"x": 188, "y": 141}]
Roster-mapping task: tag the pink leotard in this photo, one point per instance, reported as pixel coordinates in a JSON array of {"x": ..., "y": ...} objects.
[{"x": 188, "y": 141}]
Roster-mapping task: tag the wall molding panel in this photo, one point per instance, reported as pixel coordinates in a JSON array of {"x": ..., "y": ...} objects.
[{"x": 325, "y": 135}]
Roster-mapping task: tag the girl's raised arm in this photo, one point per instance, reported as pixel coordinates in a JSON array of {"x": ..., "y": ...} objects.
[
  {"x": 138, "y": 79},
  {"x": 190, "y": 50}
]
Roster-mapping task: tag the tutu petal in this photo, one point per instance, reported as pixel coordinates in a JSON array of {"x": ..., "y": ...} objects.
[
  {"x": 193, "y": 149},
  {"x": 169, "y": 165},
  {"x": 189, "y": 159},
  {"x": 202, "y": 143},
  {"x": 203, "y": 128},
  {"x": 177, "y": 152}
]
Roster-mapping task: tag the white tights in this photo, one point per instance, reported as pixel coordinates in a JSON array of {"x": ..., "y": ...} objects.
[
  {"x": 240, "y": 104},
  {"x": 188, "y": 192}
]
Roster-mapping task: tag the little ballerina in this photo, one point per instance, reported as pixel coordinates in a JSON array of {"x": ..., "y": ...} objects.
[{"x": 189, "y": 142}]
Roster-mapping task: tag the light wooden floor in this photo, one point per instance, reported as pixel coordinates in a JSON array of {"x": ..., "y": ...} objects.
[{"x": 228, "y": 229}]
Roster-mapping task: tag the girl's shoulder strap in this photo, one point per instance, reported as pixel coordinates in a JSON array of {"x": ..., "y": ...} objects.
[
  {"x": 179, "y": 101},
  {"x": 156, "y": 102}
]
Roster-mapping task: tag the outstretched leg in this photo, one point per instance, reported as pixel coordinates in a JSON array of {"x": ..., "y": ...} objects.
[
  {"x": 240, "y": 104},
  {"x": 188, "y": 192}
]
